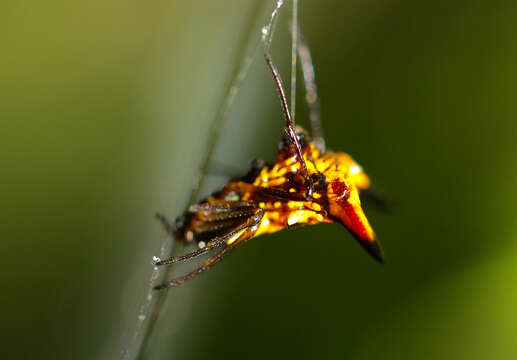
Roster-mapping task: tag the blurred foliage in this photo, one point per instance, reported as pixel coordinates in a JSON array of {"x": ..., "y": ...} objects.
[{"x": 105, "y": 106}]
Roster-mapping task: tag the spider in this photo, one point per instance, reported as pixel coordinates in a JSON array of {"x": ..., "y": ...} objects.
[{"x": 305, "y": 185}]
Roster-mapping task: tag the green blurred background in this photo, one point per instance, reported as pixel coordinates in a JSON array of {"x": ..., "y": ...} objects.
[{"x": 105, "y": 107}]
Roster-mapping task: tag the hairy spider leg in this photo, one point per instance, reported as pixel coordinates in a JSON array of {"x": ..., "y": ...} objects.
[
  {"x": 231, "y": 239},
  {"x": 289, "y": 127},
  {"x": 217, "y": 242},
  {"x": 223, "y": 211},
  {"x": 169, "y": 227}
]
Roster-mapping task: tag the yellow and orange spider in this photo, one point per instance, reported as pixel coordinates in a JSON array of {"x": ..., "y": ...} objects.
[{"x": 305, "y": 185}]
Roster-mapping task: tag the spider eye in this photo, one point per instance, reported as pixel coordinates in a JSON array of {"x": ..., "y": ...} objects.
[{"x": 340, "y": 189}]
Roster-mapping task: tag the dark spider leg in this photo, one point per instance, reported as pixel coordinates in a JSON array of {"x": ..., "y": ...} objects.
[
  {"x": 289, "y": 127},
  {"x": 218, "y": 214},
  {"x": 169, "y": 228},
  {"x": 311, "y": 95},
  {"x": 252, "y": 221},
  {"x": 189, "y": 256},
  {"x": 274, "y": 193},
  {"x": 279, "y": 194},
  {"x": 233, "y": 210},
  {"x": 222, "y": 206},
  {"x": 212, "y": 244},
  {"x": 377, "y": 199},
  {"x": 206, "y": 266}
]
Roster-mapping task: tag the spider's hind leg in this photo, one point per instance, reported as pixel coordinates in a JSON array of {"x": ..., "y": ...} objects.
[
  {"x": 230, "y": 240},
  {"x": 190, "y": 256},
  {"x": 169, "y": 227}
]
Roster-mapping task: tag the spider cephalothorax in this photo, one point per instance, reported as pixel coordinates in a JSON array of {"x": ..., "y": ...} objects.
[{"x": 337, "y": 179}]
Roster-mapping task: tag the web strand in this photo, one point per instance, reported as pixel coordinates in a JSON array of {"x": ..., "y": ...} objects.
[
  {"x": 268, "y": 30},
  {"x": 311, "y": 93}
]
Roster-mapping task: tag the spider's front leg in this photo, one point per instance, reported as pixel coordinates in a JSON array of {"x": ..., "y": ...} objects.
[{"x": 289, "y": 127}]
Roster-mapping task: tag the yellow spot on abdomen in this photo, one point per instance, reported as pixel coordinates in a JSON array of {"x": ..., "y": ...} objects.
[
  {"x": 235, "y": 236},
  {"x": 299, "y": 217}
]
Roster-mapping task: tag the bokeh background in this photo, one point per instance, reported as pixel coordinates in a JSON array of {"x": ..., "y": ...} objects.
[{"x": 105, "y": 108}]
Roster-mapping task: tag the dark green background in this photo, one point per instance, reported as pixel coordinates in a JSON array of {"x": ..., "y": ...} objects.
[{"x": 104, "y": 108}]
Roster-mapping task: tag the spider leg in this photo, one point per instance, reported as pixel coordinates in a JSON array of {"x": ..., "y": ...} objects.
[
  {"x": 222, "y": 206},
  {"x": 219, "y": 217},
  {"x": 264, "y": 192},
  {"x": 170, "y": 228},
  {"x": 246, "y": 231},
  {"x": 206, "y": 266},
  {"x": 194, "y": 254},
  {"x": 218, "y": 240},
  {"x": 213, "y": 208},
  {"x": 370, "y": 195},
  {"x": 289, "y": 126}
]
